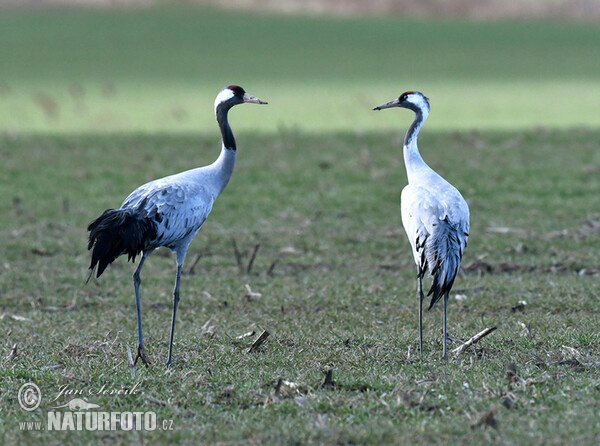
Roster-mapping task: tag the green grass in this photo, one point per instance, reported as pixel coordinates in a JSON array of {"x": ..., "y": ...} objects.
[
  {"x": 159, "y": 69},
  {"x": 95, "y": 102},
  {"x": 341, "y": 295}
]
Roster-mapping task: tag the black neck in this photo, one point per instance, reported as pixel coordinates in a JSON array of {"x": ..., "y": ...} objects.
[
  {"x": 414, "y": 128},
  {"x": 226, "y": 133}
]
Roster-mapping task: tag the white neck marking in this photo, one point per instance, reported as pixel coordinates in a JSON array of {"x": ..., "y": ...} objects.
[{"x": 224, "y": 95}]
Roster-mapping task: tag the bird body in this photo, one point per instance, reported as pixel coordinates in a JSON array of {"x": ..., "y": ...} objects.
[
  {"x": 179, "y": 204},
  {"x": 435, "y": 216},
  {"x": 167, "y": 212}
]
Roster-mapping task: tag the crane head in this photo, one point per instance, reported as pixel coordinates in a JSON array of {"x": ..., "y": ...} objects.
[
  {"x": 234, "y": 95},
  {"x": 413, "y": 100}
]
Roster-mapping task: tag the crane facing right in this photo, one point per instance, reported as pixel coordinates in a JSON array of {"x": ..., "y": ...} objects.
[{"x": 435, "y": 216}]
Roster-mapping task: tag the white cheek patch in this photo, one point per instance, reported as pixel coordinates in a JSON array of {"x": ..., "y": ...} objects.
[
  {"x": 419, "y": 101},
  {"x": 223, "y": 96}
]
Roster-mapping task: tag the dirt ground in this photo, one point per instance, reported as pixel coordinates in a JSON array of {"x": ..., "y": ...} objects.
[{"x": 588, "y": 10}]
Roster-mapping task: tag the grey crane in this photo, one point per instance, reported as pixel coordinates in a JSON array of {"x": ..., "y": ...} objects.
[
  {"x": 166, "y": 212},
  {"x": 435, "y": 216}
]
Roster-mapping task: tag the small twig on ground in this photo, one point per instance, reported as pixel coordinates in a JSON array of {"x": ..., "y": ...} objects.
[
  {"x": 286, "y": 389},
  {"x": 73, "y": 303},
  {"x": 252, "y": 257},
  {"x": 487, "y": 419},
  {"x": 278, "y": 386},
  {"x": 191, "y": 271},
  {"x": 251, "y": 294},
  {"x": 13, "y": 353},
  {"x": 519, "y": 306},
  {"x": 131, "y": 364},
  {"x": 246, "y": 335},
  {"x": 209, "y": 329},
  {"x": 156, "y": 400},
  {"x": 262, "y": 338},
  {"x": 328, "y": 381},
  {"x": 238, "y": 255},
  {"x": 513, "y": 376},
  {"x": 272, "y": 267},
  {"x": 461, "y": 348},
  {"x": 527, "y": 329}
]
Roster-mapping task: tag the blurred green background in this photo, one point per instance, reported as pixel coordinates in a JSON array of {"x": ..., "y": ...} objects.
[{"x": 158, "y": 69}]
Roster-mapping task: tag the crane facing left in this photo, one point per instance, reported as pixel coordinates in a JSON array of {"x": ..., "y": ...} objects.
[
  {"x": 435, "y": 216},
  {"x": 166, "y": 212}
]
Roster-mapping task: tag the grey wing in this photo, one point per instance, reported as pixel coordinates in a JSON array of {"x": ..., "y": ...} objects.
[
  {"x": 420, "y": 212},
  {"x": 438, "y": 231},
  {"x": 179, "y": 209}
]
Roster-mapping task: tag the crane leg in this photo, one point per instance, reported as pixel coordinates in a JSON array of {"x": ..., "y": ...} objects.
[
  {"x": 444, "y": 355},
  {"x": 175, "y": 303},
  {"x": 136, "y": 285},
  {"x": 421, "y": 297}
]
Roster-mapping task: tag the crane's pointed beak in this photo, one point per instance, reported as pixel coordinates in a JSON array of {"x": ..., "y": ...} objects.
[
  {"x": 394, "y": 103},
  {"x": 253, "y": 100}
]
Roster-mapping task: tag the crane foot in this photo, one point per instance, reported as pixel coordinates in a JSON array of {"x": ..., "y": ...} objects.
[{"x": 142, "y": 355}]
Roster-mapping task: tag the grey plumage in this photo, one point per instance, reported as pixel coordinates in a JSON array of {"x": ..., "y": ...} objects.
[
  {"x": 435, "y": 216},
  {"x": 167, "y": 212}
]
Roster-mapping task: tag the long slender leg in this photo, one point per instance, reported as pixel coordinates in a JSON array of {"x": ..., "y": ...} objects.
[
  {"x": 445, "y": 324},
  {"x": 175, "y": 302},
  {"x": 421, "y": 297},
  {"x": 136, "y": 285}
]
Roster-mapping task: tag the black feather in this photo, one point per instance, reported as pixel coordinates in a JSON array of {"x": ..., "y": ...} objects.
[{"x": 116, "y": 232}]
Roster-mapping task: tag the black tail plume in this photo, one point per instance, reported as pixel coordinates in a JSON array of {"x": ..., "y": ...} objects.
[
  {"x": 116, "y": 232},
  {"x": 439, "y": 287}
]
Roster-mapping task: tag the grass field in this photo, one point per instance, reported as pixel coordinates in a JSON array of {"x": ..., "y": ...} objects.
[
  {"x": 337, "y": 290},
  {"x": 96, "y": 106}
]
